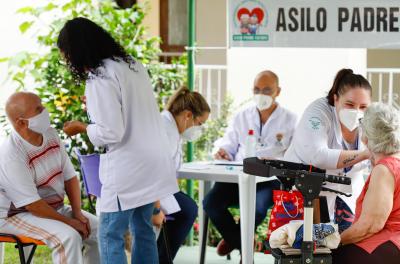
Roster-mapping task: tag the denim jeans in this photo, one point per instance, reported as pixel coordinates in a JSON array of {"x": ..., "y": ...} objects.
[
  {"x": 178, "y": 227},
  {"x": 111, "y": 235},
  {"x": 225, "y": 195}
]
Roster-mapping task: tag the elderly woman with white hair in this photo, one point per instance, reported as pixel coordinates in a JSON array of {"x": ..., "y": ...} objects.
[{"x": 374, "y": 237}]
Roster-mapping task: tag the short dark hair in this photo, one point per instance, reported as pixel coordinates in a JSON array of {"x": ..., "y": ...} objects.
[
  {"x": 85, "y": 45},
  {"x": 345, "y": 80}
]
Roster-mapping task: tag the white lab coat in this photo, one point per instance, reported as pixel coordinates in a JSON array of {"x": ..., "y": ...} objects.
[
  {"x": 169, "y": 204},
  {"x": 318, "y": 141},
  {"x": 281, "y": 122},
  {"x": 137, "y": 168}
]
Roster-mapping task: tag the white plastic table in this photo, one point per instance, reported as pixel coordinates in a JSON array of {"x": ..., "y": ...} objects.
[{"x": 208, "y": 173}]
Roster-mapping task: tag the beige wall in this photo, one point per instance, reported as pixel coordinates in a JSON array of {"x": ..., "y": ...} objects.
[
  {"x": 210, "y": 28},
  {"x": 211, "y": 31},
  {"x": 383, "y": 58},
  {"x": 152, "y": 20}
]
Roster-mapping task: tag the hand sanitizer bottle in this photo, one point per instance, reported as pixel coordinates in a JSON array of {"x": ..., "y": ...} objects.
[{"x": 250, "y": 144}]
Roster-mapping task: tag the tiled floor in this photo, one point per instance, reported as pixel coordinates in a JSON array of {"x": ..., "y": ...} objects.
[{"x": 190, "y": 255}]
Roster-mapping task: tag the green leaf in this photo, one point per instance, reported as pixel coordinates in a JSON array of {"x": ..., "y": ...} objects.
[
  {"x": 50, "y": 7},
  {"x": 66, "y": 7},
  {"x": 4, "y": 59},
  {"x": 25, "y": 26},
  {"x": 24, "y": 10}
]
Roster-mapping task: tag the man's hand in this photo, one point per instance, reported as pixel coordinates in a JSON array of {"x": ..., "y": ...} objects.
[
  {"x": 222, "y": 155},
  {"x": 79, "y": 226},
  {"x": 79, "y": 216},
  {"x": 158, "y": 219},
  {"x": 72, "y": 128}
]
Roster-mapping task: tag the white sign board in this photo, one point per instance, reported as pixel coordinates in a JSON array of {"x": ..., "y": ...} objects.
[{"x": 315, "y": 23}]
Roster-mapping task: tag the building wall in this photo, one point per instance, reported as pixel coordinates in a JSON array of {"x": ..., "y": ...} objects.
[
  {"x": 211, "y": 31},
  {"x": 383, "y": 58},
  {"x": 152, "y": 19}
]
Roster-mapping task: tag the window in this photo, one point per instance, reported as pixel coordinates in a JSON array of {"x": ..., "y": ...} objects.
[{"x": 173, "y": 25}]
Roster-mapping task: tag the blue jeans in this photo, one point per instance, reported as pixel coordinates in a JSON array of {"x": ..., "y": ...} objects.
[
  {"x": 111, "y": 236},
  {"x": 178, "y": 227},
  {"x": 225, "y": 195}
]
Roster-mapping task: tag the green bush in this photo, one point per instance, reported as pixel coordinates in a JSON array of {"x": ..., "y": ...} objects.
[{"x": 45, "y": 72}]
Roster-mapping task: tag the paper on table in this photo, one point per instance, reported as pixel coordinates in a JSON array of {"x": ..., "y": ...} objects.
[
  {"x": 227, "y": 163},
  {"x": 196, "y": 165}
]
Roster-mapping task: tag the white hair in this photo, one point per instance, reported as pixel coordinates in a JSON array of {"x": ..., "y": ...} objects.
[{"x": 381, "y": 127}]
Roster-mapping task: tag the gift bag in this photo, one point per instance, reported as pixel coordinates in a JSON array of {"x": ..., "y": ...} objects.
[{"x": 288, "y": 206}]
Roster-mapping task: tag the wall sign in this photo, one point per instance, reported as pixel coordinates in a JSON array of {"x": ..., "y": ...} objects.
[{"x": 315, "y": 23}]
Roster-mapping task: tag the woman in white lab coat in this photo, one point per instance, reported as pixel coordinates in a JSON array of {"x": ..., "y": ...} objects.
[
  {"x": 136, "y": 169},
  {"x": 328, "y": 137},
  {"x": 183, "y": 118}
]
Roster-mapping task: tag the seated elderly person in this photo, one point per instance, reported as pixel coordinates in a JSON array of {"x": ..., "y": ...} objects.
[
  {"x": 374, "y": 237},
  {"x": 35, "y": 174}
]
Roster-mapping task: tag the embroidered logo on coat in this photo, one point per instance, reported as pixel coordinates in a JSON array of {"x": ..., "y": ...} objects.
[
  {"x": 315, "y": 123},
  {"x": 279, "y": 138}
]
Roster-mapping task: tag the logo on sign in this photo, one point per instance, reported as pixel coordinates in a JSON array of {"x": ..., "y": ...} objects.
[{"x": 250, "y": 21}]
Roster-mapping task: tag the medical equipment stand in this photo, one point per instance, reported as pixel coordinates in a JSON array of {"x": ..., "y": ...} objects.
[{"x": 309, "y": 181}]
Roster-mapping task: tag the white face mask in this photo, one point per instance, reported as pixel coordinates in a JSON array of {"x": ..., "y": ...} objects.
[
  {"x": 263, "y": 101},
  {"x": 350, "y": 118},
  {"x": 40, "y": 123},
  {"x": 192, "y": 133}
]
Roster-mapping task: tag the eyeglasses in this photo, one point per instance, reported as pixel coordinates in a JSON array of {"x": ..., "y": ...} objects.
[{"x": 264, "y": 91}]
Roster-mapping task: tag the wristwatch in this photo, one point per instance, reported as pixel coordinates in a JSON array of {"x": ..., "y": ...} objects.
[{"x": 156, "y": 210}]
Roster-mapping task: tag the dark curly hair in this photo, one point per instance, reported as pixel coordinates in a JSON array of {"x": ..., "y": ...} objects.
[{"x": 85, "y": 45}]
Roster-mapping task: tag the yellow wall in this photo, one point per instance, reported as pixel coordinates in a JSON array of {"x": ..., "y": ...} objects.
[{"x": 152, "y": 19}]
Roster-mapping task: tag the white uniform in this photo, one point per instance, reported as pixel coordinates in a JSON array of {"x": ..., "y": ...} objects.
[
  {"x": 274, "y": 136},
  {"x": 169, "y": 205},
  {"x": 318, "y": 141},
  {"x": 137, "y": 168}
]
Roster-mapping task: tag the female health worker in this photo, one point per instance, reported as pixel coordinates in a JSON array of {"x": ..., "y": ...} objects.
[
  {"x": 136, "y": 169},
  {"x": 183, "y": 118},
  {"x": 328, "y": 137}
]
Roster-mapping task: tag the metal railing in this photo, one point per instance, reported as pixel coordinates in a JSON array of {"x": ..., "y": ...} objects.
[
  {"x": 211, "y": 82},
  {"x": 386, "y": 85}
]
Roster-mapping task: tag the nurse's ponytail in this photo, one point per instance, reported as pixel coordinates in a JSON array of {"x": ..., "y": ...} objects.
[
  {"x": 345, "y": 80},
  {"x": 184, "y": 99}
]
